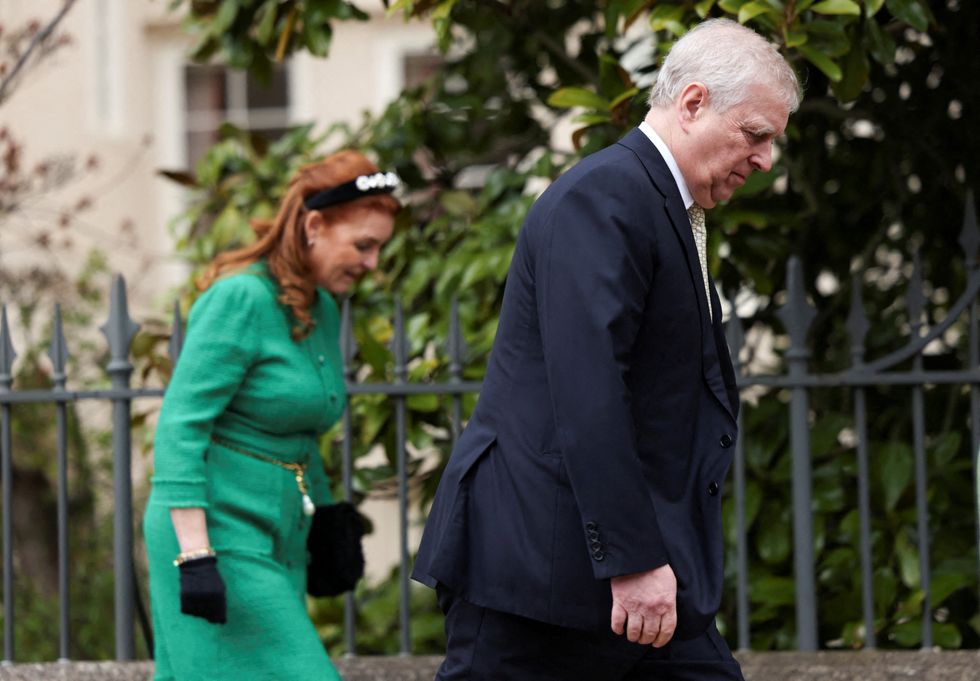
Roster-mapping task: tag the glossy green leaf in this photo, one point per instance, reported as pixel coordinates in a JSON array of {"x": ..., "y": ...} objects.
[
  {"x": 773, "y": 591},
  {"x": 592, "y": 118},
  {"x": 855, "y": 69},
  {"x": 908, "y": 562},
  {"x": 795, "y": 38},
  {"x": 423, "y": 403},
  {"x": 801, "y": 6},
  {"x": 906, "y": 634},
  {"x": 224, "y": 18},
  {"x": 732, "y": 6},
  {"x": 837, "y": 7},
  {"x": 872, "y": 7},
  {"x": 265, "y": 19},
  {"x": 880, "y": 44},
  {"x": 895, "y": 470},
  {"x": 568, "y": 97},
  {"x": 703, "y": 7},
  {"x": 773, "y": 540},
  {"x": 753, "y": 9},
  {"x": 946, "y": 635},
  {"x": 663, "y": 15},
  {"x": 912, "y": 12},
  {"x": 822, "y": 62},
  {"x": 623, "y": 97}
]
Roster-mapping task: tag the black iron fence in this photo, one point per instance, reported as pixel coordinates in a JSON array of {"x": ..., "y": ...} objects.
[{"x": 797, "y": 316}]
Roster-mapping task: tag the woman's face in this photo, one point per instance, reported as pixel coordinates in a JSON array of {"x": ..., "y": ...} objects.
[{"x": 342, "y": 251}]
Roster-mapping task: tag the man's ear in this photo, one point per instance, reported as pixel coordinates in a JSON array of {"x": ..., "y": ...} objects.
[{"x": 691, "y": 103}]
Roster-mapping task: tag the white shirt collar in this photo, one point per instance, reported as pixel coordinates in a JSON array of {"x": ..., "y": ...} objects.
[{"x": 686, "y": 197}]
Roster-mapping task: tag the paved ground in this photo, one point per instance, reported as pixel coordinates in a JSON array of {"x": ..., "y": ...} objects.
[{"x": 822, "y": 666}]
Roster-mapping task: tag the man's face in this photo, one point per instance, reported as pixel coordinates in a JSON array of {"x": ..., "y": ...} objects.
[{"x": 721, "y": 150}]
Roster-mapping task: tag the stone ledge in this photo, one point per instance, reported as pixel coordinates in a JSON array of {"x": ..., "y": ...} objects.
[{"x": 791, "y": 666}]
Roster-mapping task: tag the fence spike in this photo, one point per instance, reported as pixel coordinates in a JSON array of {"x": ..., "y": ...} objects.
[
  {"x": 399, "y": 343},
  {"x": 176, "y": 342},
  {"x": 7, "y": 352},
  {"x": 348, "y": 343},
  {"x": 797, "y": 314},
  {"x": 455, "y": 344},
  {"x": 857, "y": 323},
  {"x": 915, "y": 299},
  {"x": 970, "y": 236},
  {"x": 58, "y": 350},
  {"x": 119, "y": 329}
]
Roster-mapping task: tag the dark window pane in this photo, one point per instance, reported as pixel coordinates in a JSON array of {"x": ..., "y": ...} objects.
[
  {"x": 205, "y": 88},
  {"x": 197, "y": 144},
  {"x": 271, "y": 95}
]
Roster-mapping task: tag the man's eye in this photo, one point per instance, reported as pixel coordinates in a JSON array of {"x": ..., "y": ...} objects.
[{"x": 363, "y": 246}]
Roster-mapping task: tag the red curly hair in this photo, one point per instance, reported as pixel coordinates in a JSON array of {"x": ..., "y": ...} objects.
[{"x": 282, "y": 242}]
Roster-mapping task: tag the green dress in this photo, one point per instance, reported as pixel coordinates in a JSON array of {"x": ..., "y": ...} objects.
[{"x": 242, "y": 380}]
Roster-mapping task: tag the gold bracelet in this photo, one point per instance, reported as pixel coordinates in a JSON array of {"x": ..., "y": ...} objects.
[{"x": 185, "y": 556}]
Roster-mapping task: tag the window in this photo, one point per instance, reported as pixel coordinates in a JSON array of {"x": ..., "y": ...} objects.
[{"x": 215, "y": 94}]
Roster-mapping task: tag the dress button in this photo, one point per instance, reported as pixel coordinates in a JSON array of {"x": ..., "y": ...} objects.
[
  {"x": 726, "y": 440},
  {"x": 320, "y": 359},
  {"x": 713, "y": 488}
]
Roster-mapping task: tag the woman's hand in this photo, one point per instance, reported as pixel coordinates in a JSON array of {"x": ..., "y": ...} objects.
[{"x": 202, "y": 591}]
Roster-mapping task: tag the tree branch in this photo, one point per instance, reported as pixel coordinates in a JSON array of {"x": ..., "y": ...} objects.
[{"x": 36, "y": 42}]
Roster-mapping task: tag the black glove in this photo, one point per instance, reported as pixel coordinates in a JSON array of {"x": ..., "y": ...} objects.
[
  {"x": 202, "y": 591},
  {"x": 334, "y": 543}
]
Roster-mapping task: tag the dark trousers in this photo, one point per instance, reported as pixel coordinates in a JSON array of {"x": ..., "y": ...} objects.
[{"x": 489, "y": 645}]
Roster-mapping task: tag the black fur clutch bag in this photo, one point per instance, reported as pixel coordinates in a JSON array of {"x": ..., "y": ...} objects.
[{"x": 336, "y": 557}]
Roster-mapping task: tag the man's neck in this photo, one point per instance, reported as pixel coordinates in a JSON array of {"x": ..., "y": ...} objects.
[{"x": 658, "y": 121}]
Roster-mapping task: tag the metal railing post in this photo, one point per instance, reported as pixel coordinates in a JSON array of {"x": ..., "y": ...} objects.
[
  {"x": 797, "y": 315},
  {"x": 7, "y": 356},
  {"x": 119, "y": 331}
]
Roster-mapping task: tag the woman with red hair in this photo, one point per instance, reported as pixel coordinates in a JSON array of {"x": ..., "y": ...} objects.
[{"x": 240, "y": 519}]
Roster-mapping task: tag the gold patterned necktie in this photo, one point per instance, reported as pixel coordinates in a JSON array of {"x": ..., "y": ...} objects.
[{"x": 696, "y": 214}]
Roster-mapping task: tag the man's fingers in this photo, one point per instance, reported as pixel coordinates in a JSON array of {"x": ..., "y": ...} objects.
[
  {"x": 651, "y": 629},
  {"x": 634, "y": 626},
  {"x": 618, "y": 620},
  {"x": 667, "y": 626}
]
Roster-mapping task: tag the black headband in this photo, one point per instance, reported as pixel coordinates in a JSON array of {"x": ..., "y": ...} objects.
[{"x": 363, "y": 185}]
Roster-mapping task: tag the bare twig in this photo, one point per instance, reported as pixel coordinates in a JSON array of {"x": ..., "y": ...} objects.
[{"x": 36, "y": 42}]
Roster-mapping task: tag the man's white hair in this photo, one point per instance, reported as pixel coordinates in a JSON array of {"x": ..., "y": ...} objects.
[{"x": 729, "y": 59}]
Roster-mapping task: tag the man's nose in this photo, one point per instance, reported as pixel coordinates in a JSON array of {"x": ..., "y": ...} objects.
[
  {"x": 761, "y": 160},
  {"x": 370, "y": 261}
]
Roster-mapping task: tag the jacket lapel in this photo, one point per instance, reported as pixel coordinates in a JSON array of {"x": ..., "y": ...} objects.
[
  {"x": 712, "y": 364},
  {"x": 660, "y": 175}
]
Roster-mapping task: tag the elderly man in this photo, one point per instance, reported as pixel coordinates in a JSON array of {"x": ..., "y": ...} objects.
[{"x": 576, "y": 533}]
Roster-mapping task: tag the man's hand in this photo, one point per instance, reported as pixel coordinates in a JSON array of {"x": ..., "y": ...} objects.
[{"x": 645, "y": 606}]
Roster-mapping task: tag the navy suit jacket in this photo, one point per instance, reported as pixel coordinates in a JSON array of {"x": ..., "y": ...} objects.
[{"x": 604, "y": 427}]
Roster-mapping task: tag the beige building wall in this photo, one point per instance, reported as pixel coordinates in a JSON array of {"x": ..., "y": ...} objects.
[{"x": 118, "y": 92}]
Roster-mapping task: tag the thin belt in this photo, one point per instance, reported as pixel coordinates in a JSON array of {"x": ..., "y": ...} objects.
[{"x": 297, "y": 469}]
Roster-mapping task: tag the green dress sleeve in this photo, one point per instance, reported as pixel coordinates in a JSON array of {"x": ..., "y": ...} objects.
[{"x": 223, "y": 332}]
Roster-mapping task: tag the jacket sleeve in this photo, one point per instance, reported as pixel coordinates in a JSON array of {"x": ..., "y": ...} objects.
[
  {"x": 220, "y": 346},
  {"x": 594, "y": 265}
]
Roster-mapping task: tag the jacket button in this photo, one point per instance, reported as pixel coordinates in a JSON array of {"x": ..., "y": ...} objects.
[
  {"x": 726, "y": 440},
  {"x": 598, "y": 555},
  {"x": 591, "y": 526},
  {"x": 713, "y": 488}
]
